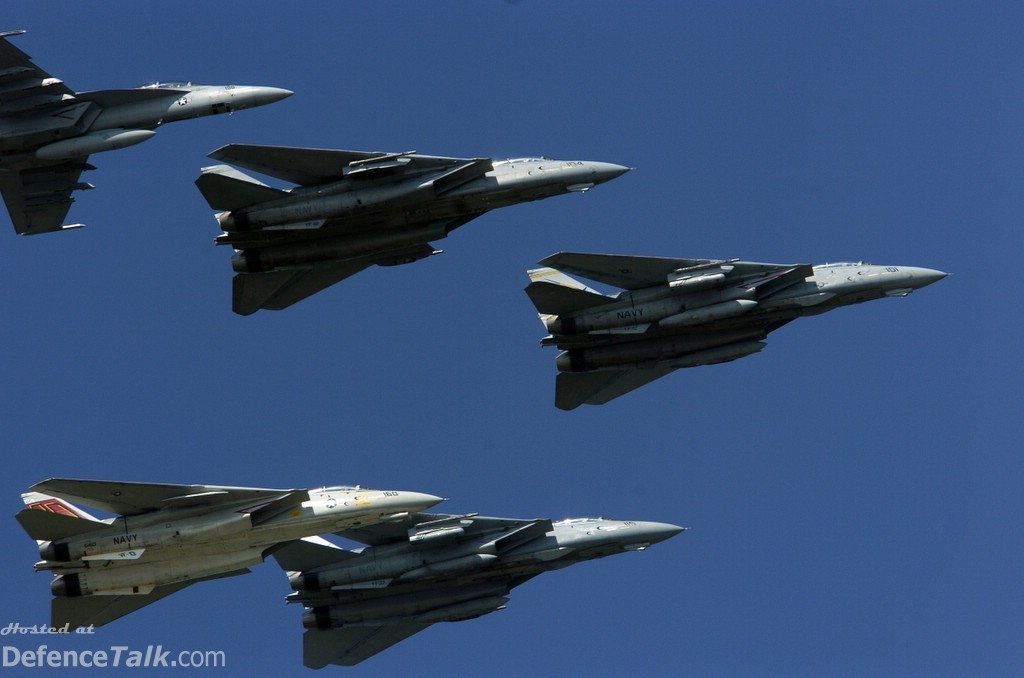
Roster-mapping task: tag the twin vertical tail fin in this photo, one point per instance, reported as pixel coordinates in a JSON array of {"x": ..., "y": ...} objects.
[
  {"x": 227, "y": 189},
  {"x": 47, "y": 518},
  {"x": 555, "y": 293}
]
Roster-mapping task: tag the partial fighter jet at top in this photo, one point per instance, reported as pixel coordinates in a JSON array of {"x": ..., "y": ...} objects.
[
  {"x": 48, "y": 131},
  {"x": 353, "y": 209},
  {"x": 683, "y": 312},
  {"x": 166, "y": 537}
]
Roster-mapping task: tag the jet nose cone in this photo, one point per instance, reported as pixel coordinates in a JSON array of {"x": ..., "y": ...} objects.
[
  {"x": 268, "y": 95},
  {"x": 418, "y": 501},
  {"x": 899, "y": 281},
  {"x": 252, "y": 95},
  {"x": 606, "y": 171},
  {"x": 655, "y": 532},
  {"x": 926, "y": 276}
]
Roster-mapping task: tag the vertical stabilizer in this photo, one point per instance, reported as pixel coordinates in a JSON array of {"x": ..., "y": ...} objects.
[
  {"x": 47, "y": 518},
  {"x": 554, "y": 293},
  {"x": 557, "y": 277}
]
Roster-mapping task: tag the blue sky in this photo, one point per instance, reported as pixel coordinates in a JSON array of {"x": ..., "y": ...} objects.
[{"x": 853, "y": 491}]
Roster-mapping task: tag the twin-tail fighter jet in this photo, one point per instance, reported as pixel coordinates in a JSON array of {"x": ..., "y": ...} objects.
[
  {"x": 677, "y": 313},
  {"x": 166, "y": 537},
  {"x": 353, "y": 209},
  {"x": 48, "y": 131},
  {"x": 434, "y": 568}
]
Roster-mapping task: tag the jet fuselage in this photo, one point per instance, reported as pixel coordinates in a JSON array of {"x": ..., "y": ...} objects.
[
  {"x": 349, "y": 218},
  {"x": 106, "y": 120},
  {"x": 174, "y": 545},
  {"x": 713, "y": 323},
  {"x": 463, "y": 562}
]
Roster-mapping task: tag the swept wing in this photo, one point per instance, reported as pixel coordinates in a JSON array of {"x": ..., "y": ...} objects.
[
  {"x": 37, "y": 198},
  {"x": 311, "y": 166},
  {"x": 421, "y": 523},
  {"x": 631, "y": 272},
  {"x": 134, "y": 498},
  {"x": 24, "y": 85}
]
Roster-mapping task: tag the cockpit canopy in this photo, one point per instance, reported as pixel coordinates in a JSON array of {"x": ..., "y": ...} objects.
[
  {"x": 841, "y": 264},
  {"x": 173, "y": 84},
  {"x": 580, "y": 521},
  {"x": 512, "y": 161},
  {"x": 341, "y": 488}
]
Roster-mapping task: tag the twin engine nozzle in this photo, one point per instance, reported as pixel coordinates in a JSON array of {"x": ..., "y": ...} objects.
[{"x": 55, "y": 552}]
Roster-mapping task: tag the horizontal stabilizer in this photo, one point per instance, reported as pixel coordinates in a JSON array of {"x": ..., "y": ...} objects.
[
  {"x": 48, "y": 526},
  {"x": 573, "y": 389},
  {"x": 276, "y": 290},
  {"x": 225, "y": 188},
  {"x": 351, "y": 644},
  {"x": 554, "y": 299},
  {"x": 100, "y": 610}
]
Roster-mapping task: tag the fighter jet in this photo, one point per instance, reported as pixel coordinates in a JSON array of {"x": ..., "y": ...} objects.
[
  {"x": 434, "y": 568},
  {"x": 353, "y": 209},
  {"x": 48, "y": 131},
  {"x": 166, "y": 537},
  {"x": 677, "y": 313}
]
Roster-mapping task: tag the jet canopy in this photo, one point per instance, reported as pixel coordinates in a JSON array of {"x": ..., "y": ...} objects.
[
  {"x": 841, "y": 264},
  {"x": 512, "y": 161},
  {"x": 580, "y": 521},
  {"x": 173, "y": 84}
]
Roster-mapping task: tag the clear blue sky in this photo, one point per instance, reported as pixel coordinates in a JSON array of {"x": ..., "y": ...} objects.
[{"x": 853, "y": 492}]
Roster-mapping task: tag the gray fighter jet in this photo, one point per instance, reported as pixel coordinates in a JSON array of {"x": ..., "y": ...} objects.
[
  {"x": 683, "y": 312},
  {"x": 354, "y": 209},
  {"x": 48, "y": 131},
  {"x": 431, "y": 569},
  {"x": 166, "y": 537}
]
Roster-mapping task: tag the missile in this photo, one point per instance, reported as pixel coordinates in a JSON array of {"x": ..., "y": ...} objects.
[
  {"x": 719, "y": 354},
  {"x": 410, "y": 604},
  {"x": 693, "y": 282},
  {"x": 648, "y": 351},
  {"x": 436, "y": 535},
  {"x": 96, "y": 142},
  {"x": 463, "y": 611},
  {"x": 470, "y": 562},
  {"x": 258, "y": 260},
  {"x": 697, "y": 316}
]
